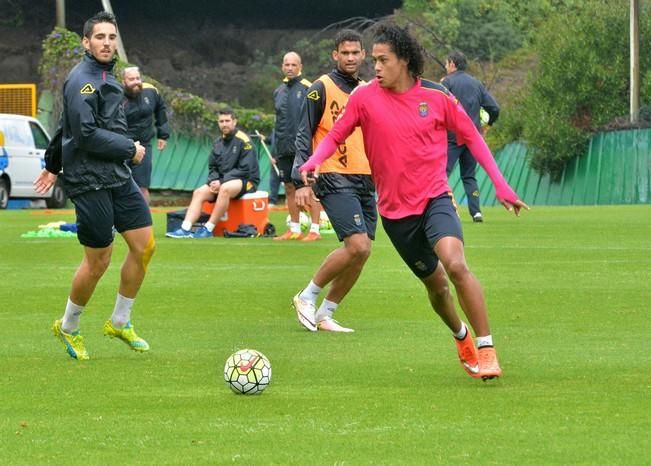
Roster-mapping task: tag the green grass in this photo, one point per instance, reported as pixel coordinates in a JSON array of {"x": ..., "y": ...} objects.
[{"x": 569, "y": 298}]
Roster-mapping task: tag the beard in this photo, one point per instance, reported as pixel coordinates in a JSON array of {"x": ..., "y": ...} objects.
[{"x": 133, "y": 90}]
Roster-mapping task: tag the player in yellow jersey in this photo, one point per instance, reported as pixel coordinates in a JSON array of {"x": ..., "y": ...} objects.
[{"x": 345, "y": 187}]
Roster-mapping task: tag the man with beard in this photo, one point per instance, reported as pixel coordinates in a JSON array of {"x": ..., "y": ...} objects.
[
  {"x": 90, "y": 150},
  {"x": 143, "y": 107},
  {"x": 345, "y": 187}
]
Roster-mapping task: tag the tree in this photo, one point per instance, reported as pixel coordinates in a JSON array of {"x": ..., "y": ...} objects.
[
  {"x": 581, "y": 82},
  {"x": 485, "y": 30}
]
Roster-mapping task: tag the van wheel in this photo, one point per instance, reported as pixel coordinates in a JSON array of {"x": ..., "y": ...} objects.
[
  {"x": 4, "y": 194},
  {"x": 58, "y": 199}
]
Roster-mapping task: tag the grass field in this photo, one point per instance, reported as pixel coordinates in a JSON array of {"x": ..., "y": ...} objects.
[{"x": 569, "y": 296}]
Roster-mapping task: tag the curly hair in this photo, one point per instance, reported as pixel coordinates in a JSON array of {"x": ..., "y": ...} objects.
[
  {"x": 101, "y": 17},
  {"x": 403, "y": 44}
]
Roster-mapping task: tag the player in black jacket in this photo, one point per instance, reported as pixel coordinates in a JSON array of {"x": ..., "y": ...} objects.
[
  {"x": 91, "y": 150},
  {"x": 288, "y": 98},
  {"x": 232, "y": 172},
  {"x": 144, "y": 107},
  {"x": 473, "y": 97}
]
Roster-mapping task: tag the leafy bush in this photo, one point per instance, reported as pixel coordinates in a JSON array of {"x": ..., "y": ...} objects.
[
  {"x": 510, "y": 95},
  {"x": 581, "y": 82},
  {"x": 484, "y": 30},
  {"x": 62, "y": 50}
]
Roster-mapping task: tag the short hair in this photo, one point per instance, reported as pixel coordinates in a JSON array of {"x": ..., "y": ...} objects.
[
  {"x": 347, "y": 35},
  {"x": 458, "y": 58},
  {"x": 403, "y": 44},
  {"x": 101, "y": 17},
  {"x": 130, "y": 68},
  {"x": 227, "y": 111},
  {"x": 291, "y": 52}
]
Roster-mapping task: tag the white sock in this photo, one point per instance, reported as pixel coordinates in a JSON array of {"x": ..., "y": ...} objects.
[
  {"x": 326, "y": 310},
  {"x": 294, "y": 227},
  {"x": 314, "y": 228},
  {"x": 71, "y": 316},
  {"x": 484, "y": 341},
  {"x": 310, "y": 293},
  {"x": 209, "y": 226},
  {"x": 122, "y": 311},
  {"x": 461, "y": 334},
  {"x": 187, "y": 226}
]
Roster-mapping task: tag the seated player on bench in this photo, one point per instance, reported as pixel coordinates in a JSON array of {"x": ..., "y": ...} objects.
[{"x": 233, "y": 171}]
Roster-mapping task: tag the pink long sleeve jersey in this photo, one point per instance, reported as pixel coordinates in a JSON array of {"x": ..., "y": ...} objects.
[{"x": 405, "y": 138}]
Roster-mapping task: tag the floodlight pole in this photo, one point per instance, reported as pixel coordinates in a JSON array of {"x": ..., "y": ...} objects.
[
  {"x": 61, "y": 13},
  {"x": 121, "y": 52},
  {"x": 635, "y": 61}
]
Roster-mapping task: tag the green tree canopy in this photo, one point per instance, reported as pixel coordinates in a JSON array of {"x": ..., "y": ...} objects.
[
  {"x": 483, "y": 29},
  {"x": 582, "y": 79}
]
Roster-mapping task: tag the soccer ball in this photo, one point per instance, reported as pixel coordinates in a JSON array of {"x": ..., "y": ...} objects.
[
  {"x": 247, "y": 372},
  {"x": 483, "y": 117},
  {"x": 303, "y": 219}
]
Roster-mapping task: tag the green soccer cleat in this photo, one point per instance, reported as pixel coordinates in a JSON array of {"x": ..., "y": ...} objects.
[
  {"x": 127, "y": 334},
  {"x": 72, "y": 342}
]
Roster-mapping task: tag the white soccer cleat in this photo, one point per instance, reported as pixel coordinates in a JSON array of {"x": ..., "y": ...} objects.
[
  {"x": 331, "y": 325},
  {"x": 305, "y": 312}
]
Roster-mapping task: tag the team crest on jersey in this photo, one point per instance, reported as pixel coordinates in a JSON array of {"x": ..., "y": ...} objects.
[
  {"x": 147, "y": 100},
  {"x": 87, "y": 89},
  {"x": 314, "y": 95},
  {"x": 423, "y": 109}
]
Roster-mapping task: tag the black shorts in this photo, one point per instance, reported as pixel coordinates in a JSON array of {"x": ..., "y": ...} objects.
[
  {"x": 141, "y": 172},
  {"x": 414, "y": 237},
  {"x": 247, "y": 187},
  {"x": 122, "y": 207},
  {"x": 285, "y": 166},
  {"x": 351, "y": 213}
]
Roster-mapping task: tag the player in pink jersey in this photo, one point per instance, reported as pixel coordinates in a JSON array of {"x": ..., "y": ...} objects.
[{"x": 404, "y": 120}]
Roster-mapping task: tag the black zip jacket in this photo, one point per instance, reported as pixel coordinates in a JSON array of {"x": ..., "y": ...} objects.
[
  {"x": 310, "y": 117},
  {"x": 142, "y": 111},
  {"x": 473, "y": 96},
  {"x": 90, "y": 146},
  {"x": 233, "y": 157},
  {"x": 288, "y": 98}
]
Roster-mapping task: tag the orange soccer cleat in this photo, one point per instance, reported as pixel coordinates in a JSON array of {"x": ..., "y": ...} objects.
[
  {"x": 468, "y": 355},
  {"x": 312, "y": 236},
  {"x": 489, "y": 368},
  {"x": 288, "y": 235}
]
